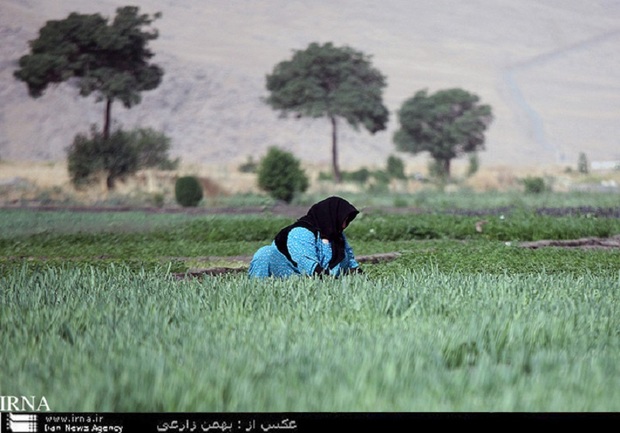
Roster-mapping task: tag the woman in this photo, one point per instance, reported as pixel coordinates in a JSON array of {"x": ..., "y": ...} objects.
[{"x": 314, "y": 245}]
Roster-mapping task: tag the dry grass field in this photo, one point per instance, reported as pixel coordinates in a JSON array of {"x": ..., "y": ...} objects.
[{"x": 48, "y": 182}]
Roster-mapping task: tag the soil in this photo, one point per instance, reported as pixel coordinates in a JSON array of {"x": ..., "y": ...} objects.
[{"x": 586, "y": 243}]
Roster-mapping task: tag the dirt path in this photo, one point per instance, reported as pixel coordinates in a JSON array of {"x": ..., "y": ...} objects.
[{"x": 586, "y": 243}]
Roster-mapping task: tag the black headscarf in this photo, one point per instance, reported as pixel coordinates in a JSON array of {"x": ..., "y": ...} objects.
[{"x": 327, "y": 218}]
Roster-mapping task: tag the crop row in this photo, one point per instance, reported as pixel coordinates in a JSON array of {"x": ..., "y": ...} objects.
[{"x": 115, "y": 339}]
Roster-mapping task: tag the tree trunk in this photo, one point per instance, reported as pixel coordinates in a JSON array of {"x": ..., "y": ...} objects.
[
  {"x": 106, "y": 136},
  {"x": 337, "y": 175},
  {"x": 446, "y": 168},
  {"x": 109, "y": 182},
  {"x": 106, "y": 120}
]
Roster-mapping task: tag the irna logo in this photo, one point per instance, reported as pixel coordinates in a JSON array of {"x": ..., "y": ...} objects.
[{"x": 23, "y": 403}]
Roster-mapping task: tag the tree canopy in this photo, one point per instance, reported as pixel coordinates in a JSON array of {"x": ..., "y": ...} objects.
[
  {"x": 332, "y": 82},
  {"x": 108, "y": 59},
  {"x": 447, "y": 124}
]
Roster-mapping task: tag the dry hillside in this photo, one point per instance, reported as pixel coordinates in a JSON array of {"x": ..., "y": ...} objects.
[{"x": 549, "y": 68}]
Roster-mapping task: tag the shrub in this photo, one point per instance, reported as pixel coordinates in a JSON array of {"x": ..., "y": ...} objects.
[
  {"x": 158, "y": 199},
  {"x": 188, "y": 191},
  {"x": 582, "y": 163},
  {"x": 152, "y": 149},
  {"x": 474, "y": 164},
  {"x": 281, "y": 176},
  {"x": 436, "y": 172},
  {"x": 249, "y": 166},
  {"x": 361, "y": 176},
  {"x": 534, "y": 185},
  {"x": 395, "y": 167},
  {"x": 121, "y": 155}
]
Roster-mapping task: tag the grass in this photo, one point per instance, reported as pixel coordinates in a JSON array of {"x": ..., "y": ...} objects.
[
  {"x": 92, "y": 319},
  {"x": 116, "y": 340}
]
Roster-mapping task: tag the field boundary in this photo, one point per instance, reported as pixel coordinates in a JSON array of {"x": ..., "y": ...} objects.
[{"x": 220, "y": 270}]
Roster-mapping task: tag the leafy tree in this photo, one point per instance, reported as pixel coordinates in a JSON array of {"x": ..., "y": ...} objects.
[
  {"x": 332, "y": 82},
  {"x": 447, "y": 124},
  {"x": 280, "y": 174},
  {"x": 110, "y": 60},
  {"x": 117, "y": 157}
]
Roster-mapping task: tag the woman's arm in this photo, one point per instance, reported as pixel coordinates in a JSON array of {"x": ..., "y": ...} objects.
[
  {"x": 301, "y": 244},
  {"x": 350, "y": 261}
]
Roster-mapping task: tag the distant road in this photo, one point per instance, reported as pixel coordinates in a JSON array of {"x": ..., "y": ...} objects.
[{"x": 536, "y": 123}]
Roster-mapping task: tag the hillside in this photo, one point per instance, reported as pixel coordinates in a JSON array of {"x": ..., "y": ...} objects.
[{"x": 549, "y": 69}]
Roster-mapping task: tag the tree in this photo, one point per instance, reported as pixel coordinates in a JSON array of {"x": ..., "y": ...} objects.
[
  {"x": 110, "y": 60},
  {"x": 447, "y": 124},
  {"x": 280, "y": 174},
  {"x": 118, "y": 156},
  {"x": 332, "y": 82},
  {"x": 582, "y": 163}
]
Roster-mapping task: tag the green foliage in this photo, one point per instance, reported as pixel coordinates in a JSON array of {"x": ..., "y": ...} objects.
[
  {"x": 89, "y": 157},
  {"x": 421, "y": 339},
  {"x": 447, "y": 124},
  {"x": 472, "y": 321},
  {"x": 121, "y": 155},
  {"x": 453, "y": 237},
  {"x": 395, "y": 167},
  {"x": 381, "y": 182},
  {"x": 474, "y": 164},
  {"x": 332, "y": 82},
  {"x": 281, "y": 176},
  {"x": 158, "y": 199},
  {"x": 188, "y": 191},
  {"x": 534, "y": 184},
  {"x": 152, "y": 148},
  {"x": 582, "y": 164},
  {"x": 361, "y": 175},
  {"x": 375, "y": 180},
  {"x": 108, "y": 59},
  {"x": 437, "y": 172},
  {"x": 249, "y": 166},
  {"x": 324, "y": 80}
]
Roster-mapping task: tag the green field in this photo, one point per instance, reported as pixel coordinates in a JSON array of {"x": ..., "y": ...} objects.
[{"x": 93, "y": 318}]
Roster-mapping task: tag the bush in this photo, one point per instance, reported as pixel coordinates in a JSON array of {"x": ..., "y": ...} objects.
[
  {"x": 534, "y": 185},
  {"x": 152, "y": 149},
  {"x": 188, "y": 191},
  {"x": 121, "y": 155},
  {"x": 88, "y": 157},
  {"x": 281, "y": 176},
  {"x": 474, "y": 164},
  {"x": 395, "y": 167},
  {"x": 360, "y": 176},
  {"x": 249, "y": 166},
  {"x": 582, "y": 163}
]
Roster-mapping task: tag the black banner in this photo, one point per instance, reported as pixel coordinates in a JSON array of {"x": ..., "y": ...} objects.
[{"x": 278, "y": 422}]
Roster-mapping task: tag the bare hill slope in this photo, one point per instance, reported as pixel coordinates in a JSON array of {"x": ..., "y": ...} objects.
[{"x": 549, "y": 69}]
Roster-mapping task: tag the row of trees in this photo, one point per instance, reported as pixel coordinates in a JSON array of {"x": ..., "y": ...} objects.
[
  {"x": 111, "y": 60},
  {"x": 341, "y": 83}
]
